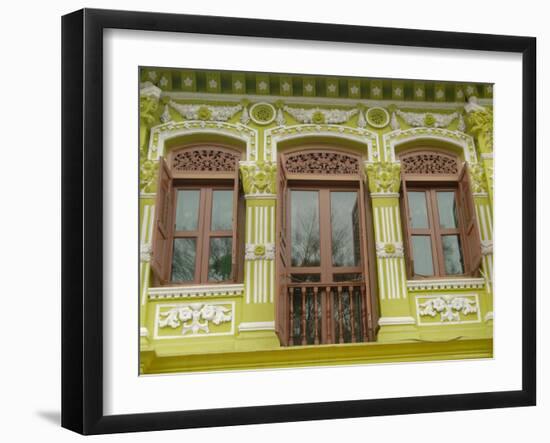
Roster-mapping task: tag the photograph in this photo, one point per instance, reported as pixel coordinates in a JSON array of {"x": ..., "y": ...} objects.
[{"x": 293, "y": 220}]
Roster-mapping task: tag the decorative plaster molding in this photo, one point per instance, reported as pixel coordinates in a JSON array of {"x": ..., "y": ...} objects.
[
  {"x": 389, "y": 250},
  {"x": 263, "y": 113},
  {"x": 464, "y": 141},
  {"x": 449, "y": 308},
  {"x": 188, "y": 316},
  {"x": 149, "y": 90},
  {"x": 257, "y": 326},
  {"x": 383, "y": 177},
  {"x": 377, "y": 117},
  {"x": 321, "y": 116},
  {"x": 273, "y": 136},
  {"x": 394, "y": 321},
  {"x": 256, "y": 251},
  {"x": 258, "y": 177},
  {"x": 166, "y": 117},
  {"x": 145, "y": 250},
  {"x": 198, "y": 291},
  {"x": 486, "y": 155},
  {"x": 260, "y": 197},
  {"x": 489, "y": 316},
  {"x": 478, "y": 179},
  {"x": 427, "y": 119},
  {"x": 143, "y": 332},
  {"x": 205, "y": 112},
  {"x": 384, "y": 194},
  {"x": 167, "y": 131},
  {"x": 445, "y": 284},
  {"x": 486, "y": 247}
]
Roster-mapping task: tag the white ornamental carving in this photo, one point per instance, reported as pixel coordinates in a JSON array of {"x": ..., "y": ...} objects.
[
  {"x": 145, "y": 251},
  {"x": 320, "y": 116},
  {"x": 424, "y": 119},
  {"x": 255, "y": 251},
  {"x": 205, "y": 112},
  {"x": 486, "y": 247},
  {"x": 448, "y": 308},
  {"x": 389, "y": 250},
  {"x": 189, "y": 316}
]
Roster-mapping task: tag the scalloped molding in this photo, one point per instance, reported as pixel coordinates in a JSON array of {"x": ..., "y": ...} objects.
[
  {"x": 395, "y": 138},
  {"x": 273, "y": 136},
  {"x": 167, "y": 131},
  {"x": 444, "y": 284},
  {"x": 198, "y": 291}
]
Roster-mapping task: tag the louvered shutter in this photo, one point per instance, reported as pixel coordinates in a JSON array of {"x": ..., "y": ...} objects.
[
  {"x": 160, "y": 259},
  {"x": 472, "y": 242}
]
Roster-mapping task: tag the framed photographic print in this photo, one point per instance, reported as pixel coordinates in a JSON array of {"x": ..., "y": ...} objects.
[{"x": 295, "y": 221}]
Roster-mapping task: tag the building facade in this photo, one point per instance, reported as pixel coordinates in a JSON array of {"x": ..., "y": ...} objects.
[{"x": 291, "y": 220}]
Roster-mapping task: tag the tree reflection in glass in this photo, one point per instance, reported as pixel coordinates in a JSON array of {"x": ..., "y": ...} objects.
[
  {"x": 304, "y": 225},
  {"x": 219, "y": 261},
  {"x": 183, "y": 260},
  {"x": 344, "y": 218}
]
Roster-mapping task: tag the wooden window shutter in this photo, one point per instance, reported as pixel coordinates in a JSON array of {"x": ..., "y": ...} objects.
[
  {"x": 282, "y": 298},
  {"x": 161, "y": 256},
  {"x": 406, "y": 225},
  {"x": 368, "y": 245},
  {"x": 472, "y": 242},
  {"x": 234, "y": 243}
]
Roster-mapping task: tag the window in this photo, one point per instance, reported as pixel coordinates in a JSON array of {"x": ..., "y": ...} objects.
[
  {"x": 198, "y": 213},
  {"x": 325, "y": 273},
  {"x": 442, "y": 238}
]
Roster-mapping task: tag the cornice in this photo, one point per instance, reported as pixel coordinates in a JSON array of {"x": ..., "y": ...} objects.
[
  {"x": 445, "y": 284},
  {"x": 197, "y": 291}
]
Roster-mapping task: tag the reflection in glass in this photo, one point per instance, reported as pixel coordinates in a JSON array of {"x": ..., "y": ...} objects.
[
  {"x": 305, "y": 278},
  {"x": 448, "y": 216},
  {"x": 344, "y": 219},
  {"x": 219, "y": 260},
  {"x": 355, "y": 276},
  {"x": 418, "y": 209},
  {"x": 422, "y": 255},
  {"x": 453, "y": 255},
  {"x": 304, "y": 223},
  {"x": 222, "y": 210},
  {"x": 183, "y": 259},
  {"x": 187, "y": 210}
]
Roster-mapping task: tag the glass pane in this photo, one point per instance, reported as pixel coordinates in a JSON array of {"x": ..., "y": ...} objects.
[
  {"x": 422, "y": 255},
  {"x": 187, "y": 210},
  {"x": 219, "y": 261},
  {"x": 183, "y": 259},
  {"x": 304, "y": 223},
  {"x": 452, "y": 254},
  {"x": 355, "y": 276},
  {"x": 344, "y": 219},
  {"x": 418, "y": 209},
  {"x": 222, "y": 210},
  {"x": 446, "y": 205},
  {"x": 305, "y": 278}
]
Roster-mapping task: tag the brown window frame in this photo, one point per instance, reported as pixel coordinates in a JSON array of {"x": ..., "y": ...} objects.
[
  {"x": 206, "y": 182},
  {"x": 467, "y": 229}
]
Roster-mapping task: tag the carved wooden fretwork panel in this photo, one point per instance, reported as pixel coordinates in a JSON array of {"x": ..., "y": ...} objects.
[
  {"x": 429, "y": 163},
  {"x": 204, "y": 159},
  {"x": 322, "y": 163}
]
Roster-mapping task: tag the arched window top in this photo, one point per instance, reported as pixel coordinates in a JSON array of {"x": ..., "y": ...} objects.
[
  {"x": 429, "y": 162},
  {"x": 208, "y": 158},
  {"x": 321, "y": 162}
]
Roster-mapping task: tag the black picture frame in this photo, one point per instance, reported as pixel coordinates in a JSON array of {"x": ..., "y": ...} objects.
[{"x": 82, "y": 215}]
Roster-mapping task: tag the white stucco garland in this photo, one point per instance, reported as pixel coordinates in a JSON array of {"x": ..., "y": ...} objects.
[
  {"x": 457, "y": 138},
  {"x": 273, "y": 136}
]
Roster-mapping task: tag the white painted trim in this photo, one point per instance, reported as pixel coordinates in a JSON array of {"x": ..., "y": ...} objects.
[
  {"x": 480, "y": 194},
  {"x": 199, "y": 291},
  {"x": 237, "y": 98},
  {"x": 384, "y": 194},
  {"x": 257, "y": 326},
  {"x": 391, "y": 321},
  {"x": 489, "y": 316},
  {"x": 487, "y": 155},
  {"x": 260, "y": 196},
  {"x": 143, "y": 332},
  {"x": 152, "y": 195},
  {"x": 448, "y": 283}
]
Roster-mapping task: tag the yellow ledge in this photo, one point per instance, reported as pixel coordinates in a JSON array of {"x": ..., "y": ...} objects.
[{"x": 158, "y": 362}]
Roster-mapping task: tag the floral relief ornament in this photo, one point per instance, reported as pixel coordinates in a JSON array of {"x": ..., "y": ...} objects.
[
  {"x": 321, "y": 116},
  {"x": 260, "y": 251},
  {"x": 384, "y": 177},
  {"x": 258, "y": 177},
  {"x": 427, "y": 119},
  {"x": 205, "y": 112},
  {"x": 189, "y": 317},
  {"x": 448, "y": 308},
  {"x": 389, "y": 250}
]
